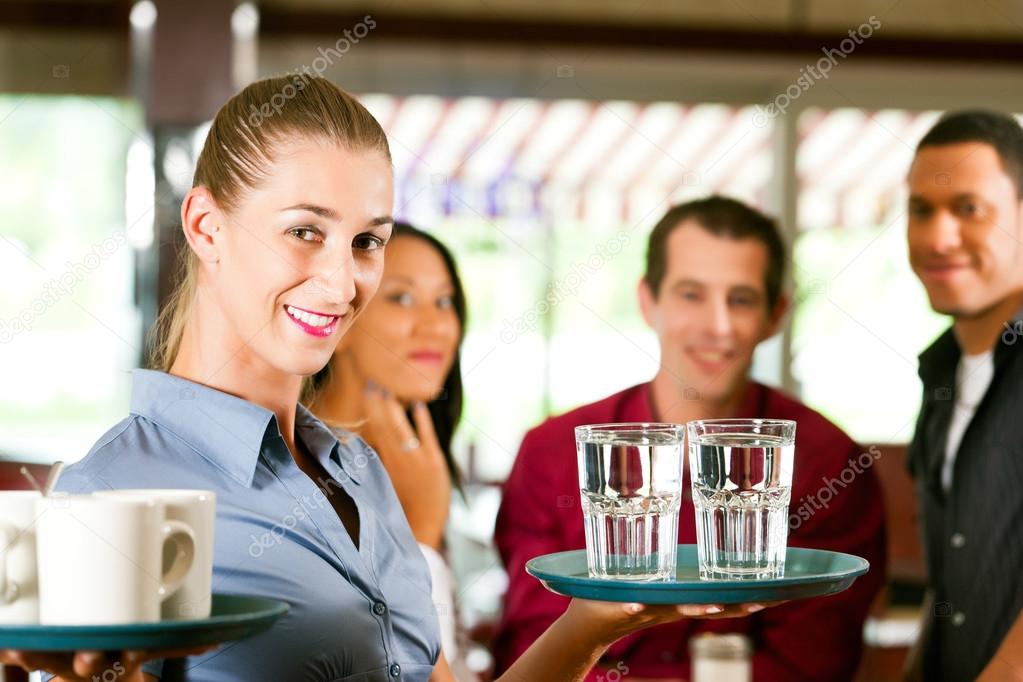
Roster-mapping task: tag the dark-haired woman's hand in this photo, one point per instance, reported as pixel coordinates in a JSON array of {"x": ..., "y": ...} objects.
[{"x": 414, "y": 460}]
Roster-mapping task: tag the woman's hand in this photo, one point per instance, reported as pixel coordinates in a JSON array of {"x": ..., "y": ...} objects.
[
  {"x": 85, "y": 666},
  {"x": 414, "y": 461},
  {"x": 570, "y": 647},
  {"x": 606, "y": 622}
]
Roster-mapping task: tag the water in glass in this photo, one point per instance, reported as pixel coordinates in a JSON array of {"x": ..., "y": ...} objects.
[
  {"x": 630, "y": 478},
  {"x": 742, "y": 482}
]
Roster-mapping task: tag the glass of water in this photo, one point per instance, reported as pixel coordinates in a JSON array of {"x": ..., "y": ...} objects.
[
  {"x": 742, "y": 481},
  {"x": 630, "y": 480}
]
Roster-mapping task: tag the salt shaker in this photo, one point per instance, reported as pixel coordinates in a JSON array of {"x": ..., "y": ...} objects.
[{"x": 721, "y": 658}]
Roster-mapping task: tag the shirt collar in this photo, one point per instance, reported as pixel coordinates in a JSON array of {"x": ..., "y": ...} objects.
[
  {"x": 226, "y": 430},
  {"x": 324, "y": 443},
  {"x": 938, "y": 362},
  {"x": 640, "y": 403}
]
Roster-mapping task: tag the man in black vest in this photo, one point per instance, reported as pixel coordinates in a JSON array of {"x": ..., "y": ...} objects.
[{"x": 966, "y": 246}]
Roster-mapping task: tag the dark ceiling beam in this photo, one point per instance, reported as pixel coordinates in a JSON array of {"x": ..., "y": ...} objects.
[
  {"x": 65, "y": 16},
  {"x": 277, "y": 21},
  {"x": 283, "y": 22}
]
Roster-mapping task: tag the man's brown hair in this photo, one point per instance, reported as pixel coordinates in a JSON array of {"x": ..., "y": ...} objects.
[{"x": 722, "y": 217}]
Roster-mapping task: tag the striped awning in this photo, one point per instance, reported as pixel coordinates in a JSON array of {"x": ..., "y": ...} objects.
[
  {"x": 567, "y": 159},
  {"x": 852, "y": 164}
]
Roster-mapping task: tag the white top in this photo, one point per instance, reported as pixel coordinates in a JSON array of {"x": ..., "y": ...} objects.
[
  {"x": 973, "y": 376},
  {"x": 443, "y": 589}
]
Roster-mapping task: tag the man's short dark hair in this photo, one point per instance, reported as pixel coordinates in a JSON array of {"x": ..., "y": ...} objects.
[
  {"x": 1001, "y": 131},
  {"x": 722, "y": 217}
]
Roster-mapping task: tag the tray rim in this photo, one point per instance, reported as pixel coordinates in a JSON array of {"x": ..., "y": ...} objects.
[
  {"x": 698, "y": 585},
  {"x": 268, "y": 609}
]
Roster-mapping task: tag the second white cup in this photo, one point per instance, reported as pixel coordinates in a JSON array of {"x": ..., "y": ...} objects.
[
  {"x": 197, "y": 509},
  {"x": 101, "y": 559}
]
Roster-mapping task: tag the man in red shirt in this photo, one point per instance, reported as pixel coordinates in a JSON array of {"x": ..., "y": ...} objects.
[{"x": 712, "y": 291}]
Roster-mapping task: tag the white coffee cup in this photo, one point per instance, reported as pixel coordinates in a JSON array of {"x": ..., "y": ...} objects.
[
  {"x": 19, "y": 586},
  {"x": 198, "y": 510},
  {"x": 101, "y": 559}
]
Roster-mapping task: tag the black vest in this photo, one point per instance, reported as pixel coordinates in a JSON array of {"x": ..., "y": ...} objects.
[{"x": 973, "y": 537}]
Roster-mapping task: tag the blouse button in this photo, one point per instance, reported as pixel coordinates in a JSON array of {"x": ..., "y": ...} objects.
[
  {"x": 395, "y": 670},
  {"x": 958, "y": 540},
  {"x": 379, "y": 608}
]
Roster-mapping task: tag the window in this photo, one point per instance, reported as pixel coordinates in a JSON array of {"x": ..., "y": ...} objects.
[
  {"x": 69, "y": 330},
  {"x": 861, "y": 315}
]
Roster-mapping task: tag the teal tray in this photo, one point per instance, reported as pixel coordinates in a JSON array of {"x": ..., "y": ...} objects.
[
  {"x": 808, "y": 573},
  {"x": 232, "y": 618}
]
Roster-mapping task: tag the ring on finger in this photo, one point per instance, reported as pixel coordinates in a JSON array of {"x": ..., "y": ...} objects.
[{"x": 410, "y": 445}]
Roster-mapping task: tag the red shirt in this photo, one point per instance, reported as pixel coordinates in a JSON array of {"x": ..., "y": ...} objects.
[{"x": 813, "y": 639}]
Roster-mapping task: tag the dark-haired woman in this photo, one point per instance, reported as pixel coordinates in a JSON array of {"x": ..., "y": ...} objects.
[{"x": 395, "y": 380}]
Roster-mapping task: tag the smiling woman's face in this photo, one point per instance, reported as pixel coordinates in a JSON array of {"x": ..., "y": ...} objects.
[{"x": 300, "y": 255}]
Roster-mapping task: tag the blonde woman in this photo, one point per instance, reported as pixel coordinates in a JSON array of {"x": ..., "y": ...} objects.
[{"x": 286, "y": 226}]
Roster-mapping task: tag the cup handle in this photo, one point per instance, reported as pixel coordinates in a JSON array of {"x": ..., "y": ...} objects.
[
  {"x": 183, "y": 538},
  {"x": 8, "y": 588}
]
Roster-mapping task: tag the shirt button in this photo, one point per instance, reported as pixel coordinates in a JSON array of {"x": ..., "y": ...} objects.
[
  {"x": 958, "y": 618},
  {"x": 395, "y": 670},
  {"x": 958, "y": 540},
  {"x": 379, "y": 608}
]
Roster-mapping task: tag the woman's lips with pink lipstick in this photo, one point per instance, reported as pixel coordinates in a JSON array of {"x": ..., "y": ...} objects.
[
  {"x": 426, "y": 356},
  {"x": 313, "y": 323}
]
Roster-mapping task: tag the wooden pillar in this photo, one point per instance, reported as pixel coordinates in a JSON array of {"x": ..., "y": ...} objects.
[
  {"x": 190, "y": 69},
  {"x": 183, "y": 67},
  {"x": 784, "y": 198}
]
